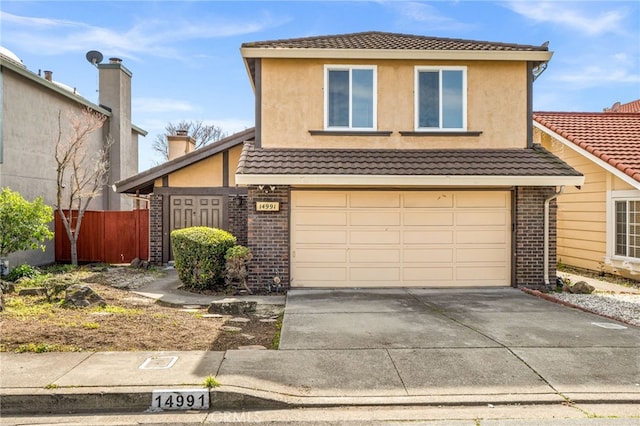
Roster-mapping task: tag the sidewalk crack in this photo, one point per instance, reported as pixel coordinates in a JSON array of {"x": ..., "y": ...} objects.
[{"x": 404, "y": 386}]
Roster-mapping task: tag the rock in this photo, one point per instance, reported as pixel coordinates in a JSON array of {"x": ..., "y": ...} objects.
[
  {"x": 268, "y": 320},
  {"x": 230, "y": 328},
  {"x": 135, "y": 263},
  {"x": 248, "y": 336},
  {"x": 212, "y": 316},
  {"x": 581, "y": 287},
  {"x": 32, "y": 291},
  {"x": 252, "y": 347},
  {"x": 240, "y": 307},
  {"x": 81, "y": 296},
  {"x": 7, "y": 287},
  {"x": 1, "y": 300},
  {"x": 239, "y": 320}
]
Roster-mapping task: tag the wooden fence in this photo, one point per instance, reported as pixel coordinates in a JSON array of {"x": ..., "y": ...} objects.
[{"x": 107, "y": 236}]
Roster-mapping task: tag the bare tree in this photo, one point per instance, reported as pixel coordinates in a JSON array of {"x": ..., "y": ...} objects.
[
  {"x": 202, "y": 133},
  {"x": 81, "y": 174}
]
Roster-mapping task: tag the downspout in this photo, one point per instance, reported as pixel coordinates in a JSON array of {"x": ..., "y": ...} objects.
[{"x": 547, "y": 202}]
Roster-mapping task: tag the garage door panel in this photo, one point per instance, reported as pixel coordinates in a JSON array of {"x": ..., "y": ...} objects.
[
  {"x": 381, "y": 276},
  {"x": 485, "y": 236},
  {"x": 425, "y": 218},
  {"x": 327, "y": 236},
  {"x": 483, "y": 218},
  {"x": 481, "y": 255},
  {"x": 320, "y": 255},
  {"x": 428, "y": 200},
  {"x": 377, "y": 256},
  {"x": 377, "y": 218},
  {"x": 374, "y": 199},
  {"x": 400, "y": 238},
  {"x": 480, "y": 199},
  {"x": 428, "y": 237},
  {"x": 433, "y": 276},
  {"x": 375, "y": 237},
  {"x": 321, "y": 218},
  {"x": 428, "y": 255}
]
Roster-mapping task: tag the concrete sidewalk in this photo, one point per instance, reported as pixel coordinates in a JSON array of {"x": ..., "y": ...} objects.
[{"x": 359, "y": 348}]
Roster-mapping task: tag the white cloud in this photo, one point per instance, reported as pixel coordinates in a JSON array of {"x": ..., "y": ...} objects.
[{"x": 569, "y": 15}]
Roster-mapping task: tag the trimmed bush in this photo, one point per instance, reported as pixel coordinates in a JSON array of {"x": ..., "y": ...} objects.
[
  {"x": 237, "y": 258},
  {"x": 22, "y": 271},
  {"x": 198, "y": 253}
]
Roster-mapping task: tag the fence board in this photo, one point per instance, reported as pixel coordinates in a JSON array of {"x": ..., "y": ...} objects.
[{"x": 106, "y": 236}]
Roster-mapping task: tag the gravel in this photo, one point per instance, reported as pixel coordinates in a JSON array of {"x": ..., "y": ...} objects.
[{"x": 623, "y": 307}]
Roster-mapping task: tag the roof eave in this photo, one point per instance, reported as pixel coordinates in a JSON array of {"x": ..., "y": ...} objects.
[
  {"x": 595, "y": 159},
  {"x": 415, "y": 54},
  {"x": 407, "y": 180}
]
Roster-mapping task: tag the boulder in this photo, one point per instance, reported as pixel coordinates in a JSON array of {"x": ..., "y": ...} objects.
[
  {"x": 581, "y": 287},
  {"x": 32, "y": 291},
  {"x": 82, "y": 296},
  {"x": 236, "y": 307}
]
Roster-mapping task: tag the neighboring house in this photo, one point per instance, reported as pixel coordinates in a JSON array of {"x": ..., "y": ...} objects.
[
  {"x": 385, "y": 160},
  {"x": 598, "y": 226},
  {"x": 29, "y": 126},
  {"x": 194, "y": 188}
]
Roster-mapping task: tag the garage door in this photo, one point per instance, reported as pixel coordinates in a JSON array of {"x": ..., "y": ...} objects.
[{"x": 408, "y": 238}]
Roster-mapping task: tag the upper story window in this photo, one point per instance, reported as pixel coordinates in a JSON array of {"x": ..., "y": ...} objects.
[
  {"x": 441, "y": 98},
  {"x": 627, "y": 228},
  {"x": 350, "y": 97}
]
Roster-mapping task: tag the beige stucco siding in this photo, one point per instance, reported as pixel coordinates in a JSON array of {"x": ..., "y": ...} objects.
[
  {"x": 582, "y": 213},
  {"x": 234, "y": 158},
  {"x": 293, "y": 104},
  {"x": 205, "y": 173}
]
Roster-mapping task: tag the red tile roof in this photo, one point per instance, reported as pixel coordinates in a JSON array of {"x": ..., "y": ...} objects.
[
  {"x": 633, "y": 106},
  {"x": 384, "y": 40},
  {"x": 381, "y": 162},
  {"x": 613, "y": 138}
]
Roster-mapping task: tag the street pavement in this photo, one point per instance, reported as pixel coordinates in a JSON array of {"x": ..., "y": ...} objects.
[{"x": 361, "y": 348}]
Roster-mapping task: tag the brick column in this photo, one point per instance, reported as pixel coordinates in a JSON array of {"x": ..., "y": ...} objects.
[
  {"x": 155, "y": 229},
  {"x": 268, "y": 239},
  {"x": 529, "y": 235},
  {"x": 238, "y": 217}
]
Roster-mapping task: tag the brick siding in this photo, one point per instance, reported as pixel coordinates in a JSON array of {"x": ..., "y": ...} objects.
[
  {"x": 268, "y": 239},
  {"x": 529, "y": 246},
  {"x": 237, "y": 210},
  {"x": 155, "y": 230}
]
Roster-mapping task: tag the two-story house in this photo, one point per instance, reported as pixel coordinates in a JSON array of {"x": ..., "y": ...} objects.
[{"x": 384, "y": 160}]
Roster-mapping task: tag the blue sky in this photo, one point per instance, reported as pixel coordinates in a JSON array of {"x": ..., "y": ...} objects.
[{"x": 186, "y": 63}]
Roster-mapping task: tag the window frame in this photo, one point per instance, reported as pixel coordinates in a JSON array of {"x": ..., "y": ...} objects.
[
  {"x": 416, "y": 98},
  {"x": 350, "y": 68},
  {"x": 623, "y": 197}
]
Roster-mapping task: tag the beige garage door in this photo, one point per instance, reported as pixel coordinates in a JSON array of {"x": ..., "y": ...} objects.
[{"x": 408, "y": 238}]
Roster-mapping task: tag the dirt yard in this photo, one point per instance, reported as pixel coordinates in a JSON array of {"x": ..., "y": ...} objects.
[{"x": 129, "y": 322}]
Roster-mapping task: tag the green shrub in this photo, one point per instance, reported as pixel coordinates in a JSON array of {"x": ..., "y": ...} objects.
[
  {"x": 22, "y": 271},
  {"x": 237, "y": 258},
  {"x": 198, "y": 253}
]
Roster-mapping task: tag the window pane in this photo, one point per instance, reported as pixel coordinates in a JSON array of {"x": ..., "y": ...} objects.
[
  {"x": 621, "y": 228},
  {"x": 338, "y": 108},
  {"x": 634, "y": 229},
  {"x": 452, "y": 99},
  {"x": 362, "y": 98},
  {"x": 428, "y": 99}
]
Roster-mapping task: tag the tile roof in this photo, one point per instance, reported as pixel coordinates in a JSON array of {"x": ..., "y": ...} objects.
[
  {"x": 384, "y": 40},
  {"x": 448, "y": 162},
  {"x": 633, "y": 106},
  {"x": 612, "y": 137}
]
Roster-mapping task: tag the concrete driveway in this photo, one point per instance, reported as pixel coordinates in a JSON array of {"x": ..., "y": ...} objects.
[{"x": 448, "y": 338}]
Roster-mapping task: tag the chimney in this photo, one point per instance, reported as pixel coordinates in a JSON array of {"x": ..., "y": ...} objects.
[
  {"x": 180, "y": 144},
  {"x": 48, "y": 75}
]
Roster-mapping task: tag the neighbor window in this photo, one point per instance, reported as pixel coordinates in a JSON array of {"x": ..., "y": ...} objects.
[
  {"x": 440, "y": 98},
  {"x": 350, "y": 97},
  {"x": 627, "y": 235}
]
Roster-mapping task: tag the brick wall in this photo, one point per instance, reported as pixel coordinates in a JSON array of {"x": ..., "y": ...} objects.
[
  {"x": 237, "y": 211},
  {"x": 529, "y": 247},
  {"x": 155, "y": 229},
  {"x": 268, "y": 235}
]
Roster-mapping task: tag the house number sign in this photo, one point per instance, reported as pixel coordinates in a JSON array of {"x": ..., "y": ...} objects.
[{"x": 267, "y": 206}]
